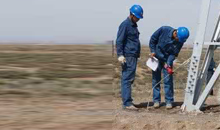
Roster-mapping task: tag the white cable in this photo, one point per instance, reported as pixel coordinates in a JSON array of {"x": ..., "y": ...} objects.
[{"x": 185, "y": 62}]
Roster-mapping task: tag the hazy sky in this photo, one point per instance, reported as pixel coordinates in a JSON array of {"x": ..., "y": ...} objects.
[{"x": 95, "y": 20}]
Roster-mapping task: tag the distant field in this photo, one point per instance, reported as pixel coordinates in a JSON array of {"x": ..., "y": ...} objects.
[{"x": 55, "y": 87}]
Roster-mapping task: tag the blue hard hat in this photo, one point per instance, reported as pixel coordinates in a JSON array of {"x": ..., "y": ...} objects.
[
  {"x": 182, "y": 34},
  {"x": 137, "y": 11}
]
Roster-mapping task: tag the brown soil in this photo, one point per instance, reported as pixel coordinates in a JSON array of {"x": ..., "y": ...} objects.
[{"x": 163, "y": 119}]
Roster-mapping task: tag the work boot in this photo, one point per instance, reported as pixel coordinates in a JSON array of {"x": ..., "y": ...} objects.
[
  {"x": 132, "y": 107},
  {"x": 169, "y": 106},
  {"x": 156, "y": 105}
]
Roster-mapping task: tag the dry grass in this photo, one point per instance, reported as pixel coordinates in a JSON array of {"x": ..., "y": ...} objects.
[
  {"x": 155, "y": 119},
  {"x": 144, "y": 75},
  {"x": 55, "y": 87}
]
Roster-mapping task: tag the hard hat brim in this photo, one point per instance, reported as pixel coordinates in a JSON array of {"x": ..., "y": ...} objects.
[{"x": 137, "y": 16}]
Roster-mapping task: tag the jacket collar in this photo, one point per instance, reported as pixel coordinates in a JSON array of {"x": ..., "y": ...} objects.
[
  {"x": 171, "y": 33},
  {"x": 132, "y": 24}
]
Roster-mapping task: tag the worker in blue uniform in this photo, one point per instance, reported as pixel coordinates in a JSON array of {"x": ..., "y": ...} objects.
[
  {"x": 210, "y": 72},
  {"x": 165, "y": 44},
  {"x": 128, "y": 51}
]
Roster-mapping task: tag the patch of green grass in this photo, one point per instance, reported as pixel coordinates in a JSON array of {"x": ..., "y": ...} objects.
[
  {"x": 106, "y": 81},
  {"x": 53, "y": 74},
  {"x": 14, "y": 75},
  {"x": 79, "y": 95}
]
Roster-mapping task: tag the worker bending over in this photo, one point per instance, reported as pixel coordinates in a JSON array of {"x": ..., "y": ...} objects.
[{"x": 165, "y": 44}]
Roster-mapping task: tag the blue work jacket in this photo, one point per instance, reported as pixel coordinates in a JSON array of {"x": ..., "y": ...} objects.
[
  {"x": 164, "y": 46},
  {"x": 212, "y": 65},
  {"x": 127, "y": 42}
]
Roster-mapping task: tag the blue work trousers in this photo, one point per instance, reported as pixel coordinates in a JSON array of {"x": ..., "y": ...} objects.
[
  {"x": 168, "y": 85},
  {"x": 127, "y": 79}
]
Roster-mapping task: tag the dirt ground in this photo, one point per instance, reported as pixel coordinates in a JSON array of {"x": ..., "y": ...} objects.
[
  {"x": 163, "y": 119},
  {"x": 148, "y": 118},
  {"x": 52, "y": 113}
]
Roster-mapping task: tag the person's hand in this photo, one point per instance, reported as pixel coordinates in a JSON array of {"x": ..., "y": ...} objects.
[
  {"x": 169, "y": 69},
  {"x": 152, "y": 55},
  {"x": 122, "y": 59},
  {"x": 165, "y": 65}
]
